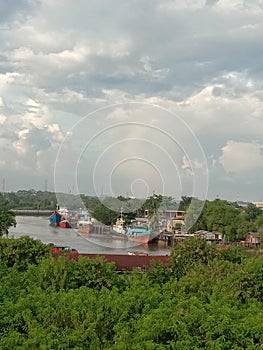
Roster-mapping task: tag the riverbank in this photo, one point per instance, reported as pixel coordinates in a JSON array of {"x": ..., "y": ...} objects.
[{"x": 32, "y": 212}]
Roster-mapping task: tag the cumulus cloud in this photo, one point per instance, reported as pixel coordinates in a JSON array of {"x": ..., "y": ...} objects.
[
  {"x": 2, "y": 118},
  {"x": 199, "y": 59},
  {"x": 16, "y": 9},
  {"x": 242, "y": 157}
]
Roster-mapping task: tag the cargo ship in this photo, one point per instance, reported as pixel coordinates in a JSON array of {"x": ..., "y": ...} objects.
[
  {"x": 139, "y": 231},
  {"x": 60, "y": 218},
  {"x": 85, "y": 225}
]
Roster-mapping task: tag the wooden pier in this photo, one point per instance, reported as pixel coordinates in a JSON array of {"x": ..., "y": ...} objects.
[{"x": 167, "y": 237}]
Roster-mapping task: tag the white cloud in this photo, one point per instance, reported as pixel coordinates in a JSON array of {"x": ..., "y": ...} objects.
[
  {"x": 31, "y": 103},
  {"x": 8, "y": 78},
  {"x": 199, "y": 59},
  {"x": 56, "y": 132},
  {"x": 2, "y": 119},
  {"x": 242, "y": 157}
]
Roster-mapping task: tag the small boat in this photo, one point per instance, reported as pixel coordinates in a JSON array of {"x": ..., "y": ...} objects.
[
  {"x": 63, "y": 248},
  {"x": 138, "y": 253}
]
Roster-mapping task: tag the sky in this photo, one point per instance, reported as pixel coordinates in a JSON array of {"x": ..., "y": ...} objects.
[{"x": 132, "y": 97}]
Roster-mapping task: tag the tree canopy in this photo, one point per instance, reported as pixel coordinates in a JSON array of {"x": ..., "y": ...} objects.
[
  {"x": 204, "y": 299},
  {"x": 7, "y": 219},
  {"x": 228, "y": 218}
]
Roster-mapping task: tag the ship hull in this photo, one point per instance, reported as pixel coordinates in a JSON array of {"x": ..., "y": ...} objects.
[
  {"x": 64, "y": 224},
  {"x": 117, "y": 235},
  {"x": 54, "y": 219},
  {"x": 144, "y": 238},
  {"x": 86, "y": 229},
  {"x": 139, "y": 238}
]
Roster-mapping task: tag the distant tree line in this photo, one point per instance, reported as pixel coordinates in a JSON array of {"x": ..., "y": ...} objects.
[
  {"x": 31, "y": 199},
  {"x": 228, "y": 218}
]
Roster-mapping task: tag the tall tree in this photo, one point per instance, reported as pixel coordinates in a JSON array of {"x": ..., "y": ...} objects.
[
  {"x": 104, "y": 215},
  {"x": 252, "y": 212},
  {"x": 185, "y": 202},
  {"x": 7, "y": 219},
  {"x": 259, "y": 222},
  {"x": 152, "y": 204}
]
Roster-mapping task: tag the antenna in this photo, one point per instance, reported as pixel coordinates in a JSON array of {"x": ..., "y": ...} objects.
[
  {"x": 121, "y": 213},
  {"x": 45, "y": 185},
  {"x": 3, "y": 188}
]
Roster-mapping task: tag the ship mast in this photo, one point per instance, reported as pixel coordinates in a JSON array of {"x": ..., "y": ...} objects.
[{"x": 121, "y": 213}]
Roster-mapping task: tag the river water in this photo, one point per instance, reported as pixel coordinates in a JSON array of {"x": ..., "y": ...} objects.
[{"x": 38, "y": 228}]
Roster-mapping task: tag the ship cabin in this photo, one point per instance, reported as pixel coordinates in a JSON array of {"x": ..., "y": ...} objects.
[{"x": 140, "y": 223}]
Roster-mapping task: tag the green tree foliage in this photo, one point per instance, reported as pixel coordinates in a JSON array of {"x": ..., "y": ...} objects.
[
  {"x": 109, "y": 209},
  {"x": 66, "y": 274},
  {"x": 214, "y": 303},
  {"x": 252, "y": 212},
  {"x": 189, "y": 252},
  {"x": 169, "y": 203},
  {"x": 104, "y": 214},
  {"x": 31, "y": 199},
  {"x": 7, "y": 219},
  {"x": 227, "y": 218},
  {"x": 22, "y": 252},
  {"x": 222, "y": 217},
  {"x": 259, "y": 222},
  {"x": 185, "y": 203},
  {"x": 195, "y": 215},
  {"x": 152, "y": 204},
  {"x": 196, "y": 250}
]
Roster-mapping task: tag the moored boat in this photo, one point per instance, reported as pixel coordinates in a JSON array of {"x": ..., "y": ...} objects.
[
  {"x": 85, "y": 227},
  {"x": 139, "y": 231},
  {"x": 138, "y": 253},
  {"x": 118, "y": 230},
  {"x": 55, "y": 219},
  {"x": 60, "y": 218}
]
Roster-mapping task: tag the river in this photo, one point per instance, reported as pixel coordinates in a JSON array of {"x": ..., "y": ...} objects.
[{"x": 38, "y": 227}]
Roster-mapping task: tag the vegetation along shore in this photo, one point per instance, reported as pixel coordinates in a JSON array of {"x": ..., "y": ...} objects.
[{"x": 202, "y": 298}]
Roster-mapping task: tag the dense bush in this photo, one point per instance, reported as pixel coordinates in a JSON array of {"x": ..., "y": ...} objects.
[{"x": 214, "y": 303}]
